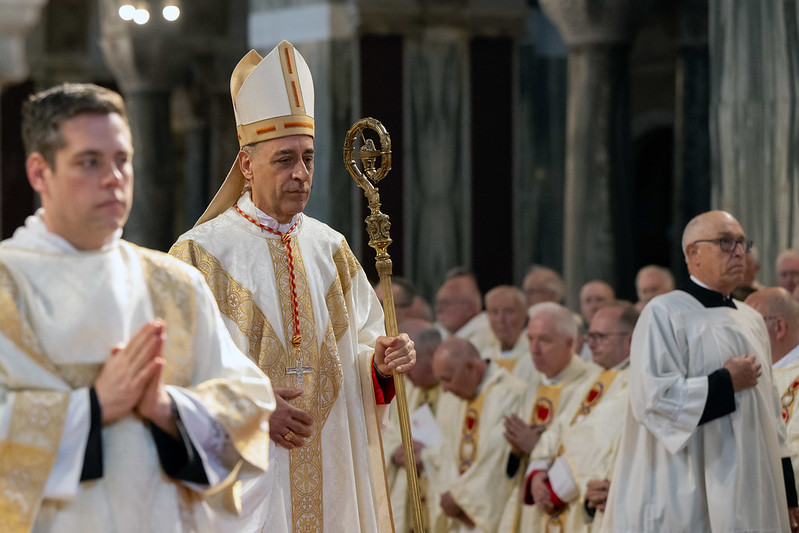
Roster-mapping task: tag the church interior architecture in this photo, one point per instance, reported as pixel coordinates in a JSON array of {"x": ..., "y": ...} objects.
[{"x": 577, "y": 134}]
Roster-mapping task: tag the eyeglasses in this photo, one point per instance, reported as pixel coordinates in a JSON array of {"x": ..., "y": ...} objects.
[
  {"x": 728, "y": 244},
  {"x": 595, "y": 336}
]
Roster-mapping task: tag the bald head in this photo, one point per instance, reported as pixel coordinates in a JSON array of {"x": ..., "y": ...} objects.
[
  {"x": 458, "y": 367},
  {"x": 651, "y": 281},
  {"x": 781, "y": 313},
  {"x": 458, "y": 301},
  {"x": 542, "y": 284},
  {"x": 594, "y": 295},
  {"x": 720, "y": 270}
]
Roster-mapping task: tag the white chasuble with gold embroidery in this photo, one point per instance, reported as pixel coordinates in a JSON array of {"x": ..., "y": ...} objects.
[
  {"x": 336, "y": 481},
  {"x": 543, "y": 405},
  {"x": 62, "y": 312},
  {"x": 474, "y": 436},
  {"x": 588, "y": 437}
]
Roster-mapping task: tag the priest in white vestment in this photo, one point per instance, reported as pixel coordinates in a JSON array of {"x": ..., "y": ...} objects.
[
  {"x": 507, "y": 316},
  {"x": 578, "y": 450},
  {"x": 703, "y": 448},
  {"x": 459, "y": 311},
  {"x": 552, "y": 392},
  {"x": 468, "y": 486},
  {"x": 124, "y": 404},
  {"x": 430, "y": 409},
  {"x": 296, "y": 300},
  {"x": 781, "y": 313}
]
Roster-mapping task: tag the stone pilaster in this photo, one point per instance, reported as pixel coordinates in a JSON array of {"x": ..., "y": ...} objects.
[
  {"x": 754, "y": 104},
  {"x": 597, "y": 236}
]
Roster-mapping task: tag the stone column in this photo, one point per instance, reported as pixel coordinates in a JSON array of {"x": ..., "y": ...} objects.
[
  {"x": 597, "y": 237},
  {"x": 754, "y": 105},
  {"x": 691, "y": 126}
]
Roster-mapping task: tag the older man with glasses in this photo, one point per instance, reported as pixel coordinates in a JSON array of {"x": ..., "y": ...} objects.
[{"x": 703, "y": 448}]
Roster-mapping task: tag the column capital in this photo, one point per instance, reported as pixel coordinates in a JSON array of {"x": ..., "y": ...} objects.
[
  {"x": 591, "y": 22},
  {"x": 17, "y": 17}
]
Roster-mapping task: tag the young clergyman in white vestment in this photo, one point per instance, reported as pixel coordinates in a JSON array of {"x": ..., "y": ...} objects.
[
  {"x": 569, "y": 467},
  {"x": 296, "y": 300},
  {"x": 703, "y": 448},
  {"x": 122, "y": 397}
]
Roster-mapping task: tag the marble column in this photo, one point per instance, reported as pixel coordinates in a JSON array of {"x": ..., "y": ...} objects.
[
  {"x": 691, "y": 194},
  {"x": 754, "y": 129},
  {"x": 597, "y": 235}
]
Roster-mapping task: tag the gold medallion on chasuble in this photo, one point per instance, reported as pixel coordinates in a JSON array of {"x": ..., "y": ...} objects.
[
  {"x": 467, "y": 451},
  {"x": 545, "y": 407},
  {"x": 788, "y": 398},
  {"x": 594, "y": 395}
]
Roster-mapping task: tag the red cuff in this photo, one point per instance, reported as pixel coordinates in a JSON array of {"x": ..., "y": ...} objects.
[
  {"x": 557, "y": 502},
  {"x": 384, "y": 388},
  {"x": 528, "y": 491}
]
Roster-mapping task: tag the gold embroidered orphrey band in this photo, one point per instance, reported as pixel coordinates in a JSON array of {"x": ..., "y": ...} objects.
[{"x": 323, "y": 385}]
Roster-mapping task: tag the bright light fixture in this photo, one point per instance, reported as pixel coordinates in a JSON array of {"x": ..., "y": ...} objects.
[
  {"x": 126, "y": 11},
  {"x": 171, "y": 12},
  {"x": 141, "y": 16}
]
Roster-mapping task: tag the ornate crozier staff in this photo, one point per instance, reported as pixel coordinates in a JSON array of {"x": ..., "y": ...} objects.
[{"x": 377, "y": 225}]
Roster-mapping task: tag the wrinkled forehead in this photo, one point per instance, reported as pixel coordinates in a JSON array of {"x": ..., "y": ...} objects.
[{"x": 722, "y": 225}]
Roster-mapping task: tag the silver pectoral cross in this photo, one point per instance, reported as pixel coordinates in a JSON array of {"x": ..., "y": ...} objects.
[{"x": 299, "y": 372}]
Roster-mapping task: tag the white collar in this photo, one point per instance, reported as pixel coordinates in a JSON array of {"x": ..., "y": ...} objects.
[
  {"x": 34, "y": 235},
  {"x": 788, "y": 359}
]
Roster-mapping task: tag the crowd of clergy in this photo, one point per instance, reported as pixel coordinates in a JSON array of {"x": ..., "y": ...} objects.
[{"x": 518, "y": 404}]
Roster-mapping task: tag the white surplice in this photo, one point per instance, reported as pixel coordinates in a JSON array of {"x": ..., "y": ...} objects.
[
  {"x": 62, "y": 312},
  {"x": 671, "y": 473},
  {"x": 336, "y": 481}
]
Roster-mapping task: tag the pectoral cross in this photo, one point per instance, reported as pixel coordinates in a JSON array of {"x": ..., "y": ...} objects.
[{"x": 299, "y": 372}]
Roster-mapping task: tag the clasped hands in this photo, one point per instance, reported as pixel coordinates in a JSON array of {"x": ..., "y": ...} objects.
[
  {"x": 130, "y": 380},
  {"x": 290, "y": 427}
]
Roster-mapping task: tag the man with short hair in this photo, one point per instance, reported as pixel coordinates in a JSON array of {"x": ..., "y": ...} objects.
[
  {"x": 404, "y": 293},
  {"x": 459, "y": 307},
  {"x": 594, "y": 295},
  {"x": 551, "y": 392},
  {"x": 507, "y": 315},
  {"x": 542, "y": 284},
  {"x": 297, "y": 301},
  {"x": 651, "y": 281},
  {"x": 570, "y": 467},
  {"x": 703, "y": 448},
  {"x": 467, "y": 469},
  {"x": 124, "y": 402},
  {"x": 788, "y": 270}
]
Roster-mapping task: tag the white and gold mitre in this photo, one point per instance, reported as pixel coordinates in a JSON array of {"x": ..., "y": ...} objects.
[{"x": 272, "y": 97}]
